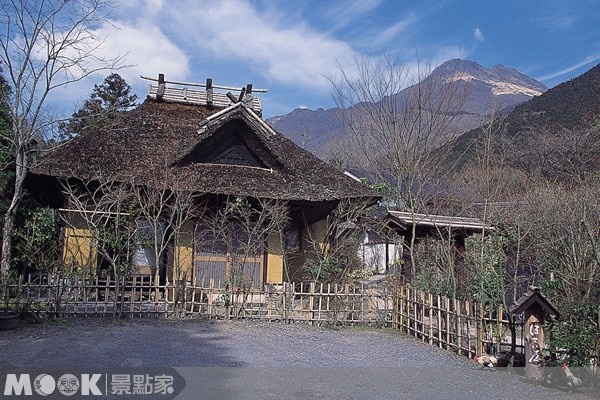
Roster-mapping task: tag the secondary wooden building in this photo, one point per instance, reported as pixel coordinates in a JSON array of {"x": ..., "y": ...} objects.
[{"x": 386, "y": 243}]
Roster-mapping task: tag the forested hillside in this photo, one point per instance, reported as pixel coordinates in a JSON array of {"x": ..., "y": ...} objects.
[{"x": 564, "y": 121}]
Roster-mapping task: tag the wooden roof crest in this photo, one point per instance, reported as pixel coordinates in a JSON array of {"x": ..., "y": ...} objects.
[{"x": 211, "y": 95}]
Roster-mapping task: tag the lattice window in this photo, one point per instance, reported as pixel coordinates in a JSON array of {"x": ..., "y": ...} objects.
[
  {"x": 236, "y": 155},
  {"x": 233, "y": 156},
  {"x": 220, "y": 249}
]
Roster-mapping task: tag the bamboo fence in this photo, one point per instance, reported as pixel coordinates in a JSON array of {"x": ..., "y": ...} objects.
[{"x": 465, "y": 327}]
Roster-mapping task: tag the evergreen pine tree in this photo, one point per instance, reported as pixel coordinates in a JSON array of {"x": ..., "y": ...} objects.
[{"x": 107, "y": 100}]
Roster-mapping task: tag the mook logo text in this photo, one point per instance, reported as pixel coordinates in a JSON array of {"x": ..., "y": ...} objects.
[{"x": 68, "y": 384}]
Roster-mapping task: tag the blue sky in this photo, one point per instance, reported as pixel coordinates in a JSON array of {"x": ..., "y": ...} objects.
[{"x": 291, "y": 47}]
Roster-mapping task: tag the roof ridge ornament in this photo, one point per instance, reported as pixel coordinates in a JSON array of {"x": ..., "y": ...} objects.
[
  {"x": 253, "y": 117},
  {"x": 206, "y": 96}
]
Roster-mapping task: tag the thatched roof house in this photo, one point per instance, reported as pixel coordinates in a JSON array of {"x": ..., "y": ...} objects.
[{"x": 201, "y": 142}]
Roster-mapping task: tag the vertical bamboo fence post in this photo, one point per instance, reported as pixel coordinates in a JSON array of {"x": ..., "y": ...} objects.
[
  {"x": 480, "y": 324},
  {"x": 301, "y": 312},
  {"x": 288, "y": 300},
  {"x": 422, "y": 315},
  {"x": 459, "y": 327},
  {"x": 106, "y": 295},
  {"x": 395, "y": 308},
  {"x": 430, "y": 305},
  {"x": 132, "y": 298},
  {"x": 400, "y": 309},
  {"x": 364, "y": 309},
  {"x": 407, "y": 308},
  {"x": 311, "y": 303},
  {"x": 448, "y": 324},
  {"x": 467, "y": 305},
  {"x": 500, "y": 326},
  {"x": 193, "y": 298},
  {"x": 439, "y": 321},
  {"x": 415, "y": 312},
  {"x": 320, "y": 300},
  {"x": 348, "y": 300}
]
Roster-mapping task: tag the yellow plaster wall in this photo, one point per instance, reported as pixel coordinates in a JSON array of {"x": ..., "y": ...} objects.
[
  {"x": 79, "y": 250},
  {"x": 184, "y": 252},
  {"x": 274, "y": 259}
]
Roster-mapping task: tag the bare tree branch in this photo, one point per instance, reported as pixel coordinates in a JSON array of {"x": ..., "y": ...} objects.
[{"x": 46, "y": 44}]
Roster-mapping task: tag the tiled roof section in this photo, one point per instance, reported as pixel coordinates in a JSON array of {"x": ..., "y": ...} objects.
[{"x": 166, "y": 140}]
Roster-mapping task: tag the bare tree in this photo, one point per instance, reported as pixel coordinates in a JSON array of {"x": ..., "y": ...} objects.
[
  {"x": 564, "y": 154},
  {"x": 107, "y": 208},
  {"x": 335, "y": 247},
  {"x": 492, "y": 265},
  {"x": 565, "y": 225},
  {"x": 46, "y": 44},
  {"x": 397, "y": 139},
  {"x": 161, "y": 215},
  {"x": 233, "y": 236}
]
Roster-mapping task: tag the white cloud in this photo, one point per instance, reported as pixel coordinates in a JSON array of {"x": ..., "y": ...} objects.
[
  {"x": 478, "y": 35},
  {"x": 145, "y": 47},
  {"x": 136, "y": 32},
  {"x": 345, "y": 12},
  {"x": 385, "y": 35},
  {"x": 556, "y": 18},
  {"x": 245, "y": 39},
  {"x": 145, "y": 50},
  {"x": 142, "y": 7},
  {"x": 273, "y": 42},
  {"x": 295, "y": 54},
  {"x": 589, "y": 59}
]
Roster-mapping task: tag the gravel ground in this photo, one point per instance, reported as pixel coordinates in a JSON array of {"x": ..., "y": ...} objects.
[{"x": 267, "y": 360}]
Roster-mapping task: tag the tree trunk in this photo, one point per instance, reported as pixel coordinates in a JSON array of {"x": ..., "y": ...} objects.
[
  {"x": 7, "y": 233},
  {"x": 10, "y": 217}
]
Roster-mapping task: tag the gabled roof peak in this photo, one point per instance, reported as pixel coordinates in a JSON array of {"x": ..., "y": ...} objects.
[
  {"x": 237, "y": 109},
  {"x": 211, "y": 95}
]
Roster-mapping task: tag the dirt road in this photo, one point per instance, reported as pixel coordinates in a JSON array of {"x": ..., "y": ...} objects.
[{"x": 249, "y": 360}]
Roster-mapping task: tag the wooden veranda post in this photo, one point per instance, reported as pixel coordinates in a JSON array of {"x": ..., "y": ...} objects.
[{"x": 536, "y": 307}]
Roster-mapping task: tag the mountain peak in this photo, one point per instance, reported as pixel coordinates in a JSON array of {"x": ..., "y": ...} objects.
[
  {"x": 501, "y": 79},
  {"x": 498, "y": 88},
  {"x": 512, "y": 75},
  {"x": 558, "y": 121}
]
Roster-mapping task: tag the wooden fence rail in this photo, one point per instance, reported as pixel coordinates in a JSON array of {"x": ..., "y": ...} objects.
[{"x": 462, "y": 326}]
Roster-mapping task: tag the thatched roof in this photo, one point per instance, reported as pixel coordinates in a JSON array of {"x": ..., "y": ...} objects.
[
  {"x": 533, "y": 298},
  {"x": 180, "y": 143},
  {"x": 405, "y": 219}
]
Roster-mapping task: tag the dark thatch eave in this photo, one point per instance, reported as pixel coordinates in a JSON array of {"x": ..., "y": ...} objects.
[
  {"x": 160, "y": 142},
  {"x": 533, "y": 298}
]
